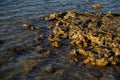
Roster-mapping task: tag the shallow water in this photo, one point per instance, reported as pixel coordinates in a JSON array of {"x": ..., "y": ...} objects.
[{"x": 15, "y": 12}]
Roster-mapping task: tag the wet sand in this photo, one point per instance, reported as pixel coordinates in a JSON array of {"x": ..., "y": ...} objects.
[{"x": 71, "y": 46}]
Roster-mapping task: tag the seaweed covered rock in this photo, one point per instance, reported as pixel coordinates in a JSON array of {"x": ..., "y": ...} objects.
[{"x": 94, "y": 36}]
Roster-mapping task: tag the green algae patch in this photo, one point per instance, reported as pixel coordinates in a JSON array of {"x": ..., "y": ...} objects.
[{"x": 94, "y": 36}]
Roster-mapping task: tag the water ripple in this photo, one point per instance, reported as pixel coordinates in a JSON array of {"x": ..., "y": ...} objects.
[{"x": 14, "y": 12}]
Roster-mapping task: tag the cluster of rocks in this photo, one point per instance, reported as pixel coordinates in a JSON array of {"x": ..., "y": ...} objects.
[
  {"x": 95, "y": 37},
  {"x": 29, "y": 26}
]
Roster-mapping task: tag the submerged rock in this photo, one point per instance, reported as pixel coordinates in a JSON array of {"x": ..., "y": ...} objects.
[
  {"x": 29, "y": 26},
  {"x": 48, "y": 68},
  {"x": 26, "y": 26}
]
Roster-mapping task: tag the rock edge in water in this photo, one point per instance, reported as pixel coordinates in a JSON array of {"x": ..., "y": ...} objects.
[{"x": 94, "y": 37}]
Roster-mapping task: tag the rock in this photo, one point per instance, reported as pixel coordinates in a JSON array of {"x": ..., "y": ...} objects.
[
  {"x": 37, "y": 27},
  {"x": 93, "y": 36},
  {"x": 26, "y": 26},
  {"x": 73, "y": 52},
  {"x": 74, "y": 55},
  {"x": 96, "y": 6},
  {"x": 86, "y": 61},
  {"x": 29, "y": 26},
  {"x": 109, "y": 14},
  {"x": 55, "y": 44},
  {"x": 37, "y": 40},
  {"x": 41, "y": 36},
  {"x": 49, "y": 68},
  {"x": 116, "y": 51},
  {"x": 71, "y": 14},
  {"x": 32, "y": 28},
  {"x": 53, "y": 16},
  {"x": 53, "y": 39},
  {"x": 49, "y": 27},
  {"x": 101, "y": 62}
]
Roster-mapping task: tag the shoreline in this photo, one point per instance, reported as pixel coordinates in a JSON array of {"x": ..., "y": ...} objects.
[{"x": 73, "y": 40}]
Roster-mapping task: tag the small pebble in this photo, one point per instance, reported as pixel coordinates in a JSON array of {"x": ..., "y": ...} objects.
[
  {"x": 49, "y": 27},
  {"x": 37, "y": 28},
  {"x": 73, "y": 52},
  {"x": 42, "y": 18},
  {"x": 41, "y": 36},
  {"x": 32, "y": 28},
  {"x": 48, "y": 68},
  {"x": 26, "y": 26},
  {"x": 96, "y": 6},
  {"x": 37, "y": 40},
  {"x": 55, "y": 44},
  {"x": 109, "y": 14},
  {"x": 86, "y": 61}
]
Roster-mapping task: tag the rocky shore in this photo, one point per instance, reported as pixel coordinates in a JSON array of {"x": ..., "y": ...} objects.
[
  {"x": 72, "y": 46},
  {"x": 95, "y": 37}
]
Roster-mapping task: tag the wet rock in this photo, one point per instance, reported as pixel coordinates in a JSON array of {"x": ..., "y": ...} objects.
[
  {"x": 26, "y": 26},
  {"x": 74, "y": 55},
  {"x": 53, "y": 39},
  {"x": 49, "y": 27},
  {"x": 90, "y": 34},
  {"x": 109, "y": 14},
  {"x": 73, "y": 52},
  {"x": 49, "y": 68},
  {"x": 37, "y": 40},
  {"x": 55, "y": 44},
  {"x": 101, "y": 62},
  {"x": 71, "y": 14},
  {"x": 53, "y": 16},
  {"x": 29, "y": 26},
  {"x": 37, "y": 27},
  {"x": 86, "y": 61},
  {"x": 96, "y": 6},
  {"x": 41, "y": 36},
  {"x": 32, "y": 28}
]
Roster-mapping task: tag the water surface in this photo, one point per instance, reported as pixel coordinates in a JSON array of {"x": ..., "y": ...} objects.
[{"x": 15, "y": 12}]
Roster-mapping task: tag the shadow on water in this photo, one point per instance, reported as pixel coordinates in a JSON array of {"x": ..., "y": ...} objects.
[{"x": 116, "y": 72}]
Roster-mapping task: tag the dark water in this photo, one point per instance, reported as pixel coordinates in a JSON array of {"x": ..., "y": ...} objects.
[{"x": 15, "y": 12}]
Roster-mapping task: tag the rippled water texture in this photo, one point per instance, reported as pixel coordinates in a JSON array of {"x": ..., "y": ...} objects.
[{"x": 15, "y": 12}]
